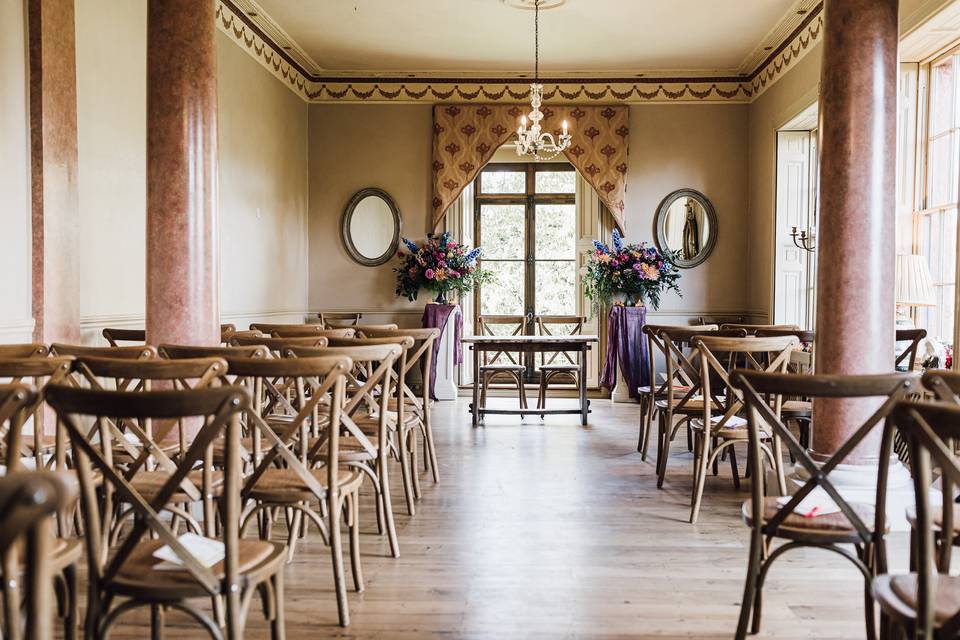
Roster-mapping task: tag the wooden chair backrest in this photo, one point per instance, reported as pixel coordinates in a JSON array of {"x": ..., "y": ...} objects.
[
  {"x": 420, "y": 355},
  {"x": 757, "y": 387},
  {"x": 25, "y": 350},
  {"x": 28, "y": 502},
  {"x": 944, "y": 383},
  {"x": 930, "y": 430},
  {"x": 335, "y": 320},
  {"x": 915, "y": 337},
  {"x": 560, "y": 325},
  {"x": 37, "y": 372},
  {"x": 720, "y": 320},
  {"x": 17, "y": 401},
  {"x": 657, "y": 345},
  {"x": 132, "y": 352},
  {"x": 219, "y": 409},
  {"x": 179, "y": 352},
  {"x": 277, "y": 345},
  {"x": 113, "y": 336},
  {"x": 514, "y": 326},
  {"x": 309, "y": 330},
  {"x": 683, "y": 369},
  {"x": 752, "y": 329},
  {"x": 324, "y": 377},
  {"x": 755, "y": 354}
]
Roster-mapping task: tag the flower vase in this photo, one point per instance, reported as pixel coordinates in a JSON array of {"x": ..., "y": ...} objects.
[{"x": 441, "y": 298}]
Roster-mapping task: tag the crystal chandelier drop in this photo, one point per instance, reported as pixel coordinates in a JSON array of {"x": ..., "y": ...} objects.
[{"x": 532, "y": 140}]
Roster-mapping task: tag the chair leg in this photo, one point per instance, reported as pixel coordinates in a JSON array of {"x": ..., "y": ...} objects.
[
  {"x": 520, "y": 390},
  {"x": 278, "y": 626},
  {"x": 702, "y": 453},
  {"x": 336, "y": 556},
  {"x": 156, "y": 622},
  {"x": 353, "y": 522},
  {"x": 750, "y": 585},
  {"x": 405, "y": 472},
  {"x": 733, "y": 466},
  {"x": 665, "y": 419},
  {"x": 415, "y": 471},
  {"x": 484, "y": 380},
  {"x": 387, "y": 505},
  {"x": 71, "y": 619},
  {"x": 542, "y": 394},
  {"x": 429, "y": 444},
  {"x": 644, "y": 422}
]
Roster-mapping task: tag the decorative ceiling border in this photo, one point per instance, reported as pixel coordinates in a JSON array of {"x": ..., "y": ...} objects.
[{"x": 243, "y": 30}]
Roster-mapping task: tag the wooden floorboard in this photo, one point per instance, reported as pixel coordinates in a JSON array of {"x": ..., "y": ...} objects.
[{"x": 546, "y": 529}]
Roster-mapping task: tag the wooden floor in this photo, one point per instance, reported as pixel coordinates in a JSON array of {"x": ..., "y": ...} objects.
[{"x": 546, "y": 529}]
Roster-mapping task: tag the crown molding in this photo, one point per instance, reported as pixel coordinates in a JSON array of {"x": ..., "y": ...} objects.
[{"x": 267, "y": 43}]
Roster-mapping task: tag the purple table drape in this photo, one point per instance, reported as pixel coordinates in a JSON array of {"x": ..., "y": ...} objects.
[
  {"x": 626, "y": 345},
  {"x": 435, "y": 316}
]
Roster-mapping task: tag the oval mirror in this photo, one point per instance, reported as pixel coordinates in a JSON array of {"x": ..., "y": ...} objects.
[
  {"x": 686, "y": 222},
  {"x": 371, "y": 227}
]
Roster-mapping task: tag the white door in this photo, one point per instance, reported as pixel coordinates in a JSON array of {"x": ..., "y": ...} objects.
[{"x": 794, "y": 199}]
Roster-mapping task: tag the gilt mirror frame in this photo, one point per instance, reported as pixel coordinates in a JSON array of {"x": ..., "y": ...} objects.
[
  {"x": 660, "y": 218},
  {"x": 347, "y": 218}
]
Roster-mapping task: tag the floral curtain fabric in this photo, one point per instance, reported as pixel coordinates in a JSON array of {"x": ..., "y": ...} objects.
[{"x": 465, "y": 137}]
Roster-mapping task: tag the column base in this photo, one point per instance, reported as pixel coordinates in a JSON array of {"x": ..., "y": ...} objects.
[
  {"x": 621, "y": 392},
  {"x": 858, "y": 483}
]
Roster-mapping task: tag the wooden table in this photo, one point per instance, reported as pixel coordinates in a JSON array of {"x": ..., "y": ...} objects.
[{"x": 530, "y": 344}]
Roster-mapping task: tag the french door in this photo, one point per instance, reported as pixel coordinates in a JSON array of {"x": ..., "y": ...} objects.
[{"x": 526, "y": 223}]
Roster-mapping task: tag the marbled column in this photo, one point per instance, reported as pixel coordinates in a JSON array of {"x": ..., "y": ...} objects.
[
  {"x": 53, "y": 151},
  {"x": 183, "y": 280},
  {"x": 855, "y": 305}
]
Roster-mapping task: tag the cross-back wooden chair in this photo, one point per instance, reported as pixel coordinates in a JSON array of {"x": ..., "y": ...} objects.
[
  {"x": 29, "y": 553},
  {"x": 313, "y": 330},
  {"x": 38, "y": 449},
  {"x": 336, "y": 320},
  {"x": 129, "y": 570},
  {"x": 752, "y": 329},
  {"x": 907, "y": 358},
  {"x": 116, "y": 336},
  {"x": 25, "y": 350},
  {"x": 303, "y": 462},
  {"x": 506, "y": 366},
  {"x": 719, "y": 320},
  {"x": 796, "y": 410},
  {"x": 722, "y": 426},
  {"x": 267, "y": 328},
  {"x": 144, "y": 451},
  {"x": 558, "y": 366},
  {"x": 401, "y": 418},
  {"x": 179, "y": 352},
  {"x": 654, "y": 391},
  {"x": 925, "y": 603},
  {"x": 60, "y": 554},
  {"x": 277, "y": 345},
  {"x": 132, "y": 352},
  {"x": 683, "y": 397},
  {"x": 420, "y": 356},
  {"x": 855, "y": 524}
]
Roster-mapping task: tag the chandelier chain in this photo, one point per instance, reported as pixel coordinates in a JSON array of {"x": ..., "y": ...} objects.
[{"x": 536, "y": 40}]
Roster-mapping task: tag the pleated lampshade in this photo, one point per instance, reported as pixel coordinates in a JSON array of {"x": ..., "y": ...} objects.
[{"x": 914, "y": 286}]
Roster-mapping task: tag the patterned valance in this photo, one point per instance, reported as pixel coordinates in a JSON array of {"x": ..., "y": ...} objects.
[{"x": 465, "y": 137}]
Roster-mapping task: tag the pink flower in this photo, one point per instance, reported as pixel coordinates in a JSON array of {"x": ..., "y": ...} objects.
[{"x": 429, "y": 274}]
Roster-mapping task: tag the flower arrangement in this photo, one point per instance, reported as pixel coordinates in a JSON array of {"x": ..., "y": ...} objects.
[
  {"x": 636, "y": 272},
  {"x": 441, "y": 265}
]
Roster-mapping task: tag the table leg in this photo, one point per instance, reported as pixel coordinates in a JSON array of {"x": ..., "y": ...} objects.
[
  {"x": 584, "y": 403},
  {"x": 475, "y": 409}
]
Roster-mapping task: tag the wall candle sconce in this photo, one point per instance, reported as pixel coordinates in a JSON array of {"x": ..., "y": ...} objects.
[{"x": 805, "y": 242}]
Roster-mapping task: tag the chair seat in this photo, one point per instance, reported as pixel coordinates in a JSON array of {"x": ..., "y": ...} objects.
[
  {"x": 567, "y": 368},
  {"x": 796, "y": 407},
  {"x": 149, "y": 483},
  {"x": 898, "y": 593},
  {"x": 694, "y": 405},
  {"x": 285, "y": 485},
  {"x": 828, "y": 524},
  {"x": 246, "y": 449},
  {"x": 936, "y": 515},
  {"x": 733, "y": 429},
  {"x": 138, "y": 576},
  {"x": 47, "y": 442},
  {"x": 681, "y": 389},
  {"x": 63, "y": 552}
]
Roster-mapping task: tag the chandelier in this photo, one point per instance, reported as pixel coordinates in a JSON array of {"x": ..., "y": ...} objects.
[{"x": 532, "y": 140}]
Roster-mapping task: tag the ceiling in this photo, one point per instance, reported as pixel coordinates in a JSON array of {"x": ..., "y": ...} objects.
[{"x": 615, "y": 37}]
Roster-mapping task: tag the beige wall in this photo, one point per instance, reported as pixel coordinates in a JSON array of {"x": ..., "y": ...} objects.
[
  {"x": 794, "y": 92},
  {"x": 351, "y": 147},
  {"x": 16, "y": 323},
  {"x": 701, "y": 147},
  {"x": 263, "y": 177}
]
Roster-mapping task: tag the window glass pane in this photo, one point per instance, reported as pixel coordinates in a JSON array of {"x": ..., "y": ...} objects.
[
  {"x": 947, "y": 294},
  {"x": 556, "y": 231},
  {"x": 502, "y": 231},
  {"x": 556, "y": 287},
  {"x": 948, "y": 253},
  {"x": 943, "y": 78},
  {"x": 504, "y": 294},
  {"x": 556, "y": 182},
  {"x": 942, "y": 171},
  {"x": 503, "y": 182}
]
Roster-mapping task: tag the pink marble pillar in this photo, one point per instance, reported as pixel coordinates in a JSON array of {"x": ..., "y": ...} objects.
[
  {"x": 183, "y": 280},
  {"x": 53, "y": 150},
  {"x": 855, "y": 305}
]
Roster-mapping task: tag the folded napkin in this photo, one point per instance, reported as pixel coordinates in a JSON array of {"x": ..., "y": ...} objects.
[
  {"x": 817, "y": 503},
  {"x": 206, "y": 551}
]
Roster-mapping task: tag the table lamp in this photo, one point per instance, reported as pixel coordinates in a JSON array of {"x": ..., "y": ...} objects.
[{"x": 914, "y": 288}]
